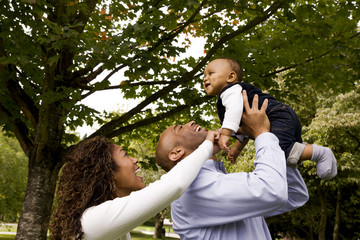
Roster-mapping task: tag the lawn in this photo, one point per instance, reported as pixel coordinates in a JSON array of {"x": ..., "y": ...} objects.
[
  {"x": 135, "y": 235},
  {"x": 7, "y": 228},
  {"x": 7, "y": 237}
]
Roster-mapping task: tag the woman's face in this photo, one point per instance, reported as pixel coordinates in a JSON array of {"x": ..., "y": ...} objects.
[{"x": 126, "y": 180}]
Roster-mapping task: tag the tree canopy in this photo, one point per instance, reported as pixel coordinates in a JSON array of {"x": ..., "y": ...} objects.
[{"x": 53, "y": 54}]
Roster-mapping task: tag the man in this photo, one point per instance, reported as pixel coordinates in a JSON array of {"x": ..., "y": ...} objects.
[{"x": 232, "y": 206}]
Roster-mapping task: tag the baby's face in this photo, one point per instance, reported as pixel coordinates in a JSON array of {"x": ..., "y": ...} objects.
[{"x": 215, "y": 76}]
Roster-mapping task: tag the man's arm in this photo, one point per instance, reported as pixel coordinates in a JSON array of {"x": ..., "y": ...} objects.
[
  {"x": 297, "y": 192},
  {"x": 216, "y": 198}
]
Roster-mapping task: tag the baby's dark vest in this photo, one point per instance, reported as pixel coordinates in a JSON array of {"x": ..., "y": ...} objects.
[{"x": 251, "y": 91}]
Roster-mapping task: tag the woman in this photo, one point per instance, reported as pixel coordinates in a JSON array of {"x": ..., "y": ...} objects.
[{"x": 99, "y": 195}]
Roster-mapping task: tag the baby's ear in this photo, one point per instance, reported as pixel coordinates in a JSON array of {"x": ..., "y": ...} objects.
[
  {"x": 176, "y": 153},
  {"x": 232, "y": 77}
]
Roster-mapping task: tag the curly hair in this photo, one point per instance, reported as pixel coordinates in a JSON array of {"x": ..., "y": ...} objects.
[{"x": 87, "y": 179}]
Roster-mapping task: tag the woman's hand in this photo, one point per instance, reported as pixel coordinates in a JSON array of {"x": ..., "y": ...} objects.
[{"x": 213, "y": 136}]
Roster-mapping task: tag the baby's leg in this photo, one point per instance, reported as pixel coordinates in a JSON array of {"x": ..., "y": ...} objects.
[
  {"x": 296, "y": 152},
  {"x": 325, "y": 160}
]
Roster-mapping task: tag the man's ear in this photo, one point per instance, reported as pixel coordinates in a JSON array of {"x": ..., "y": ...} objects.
[
  {"x": 232, "y": 77},
  {"x": 176, "y": 153}
]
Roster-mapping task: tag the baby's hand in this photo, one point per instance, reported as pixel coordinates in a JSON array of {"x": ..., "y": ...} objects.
[
  {"x": 233, "y": 154},
  {"x": 224, "y": 142},
  {"x": 212, "y": 135}
]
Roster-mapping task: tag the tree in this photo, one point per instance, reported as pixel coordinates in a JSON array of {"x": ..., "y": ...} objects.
[
  {"x": 333, "y": 206},
  {"x": 52, "y": 55},
  {"x": 337, "y": 125},
  {"x": 13, "y": 165}
]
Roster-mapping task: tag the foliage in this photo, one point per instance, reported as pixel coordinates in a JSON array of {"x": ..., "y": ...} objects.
[
  {"x": 54, "y": 54},
  {"x": 13, "y": 165},
  {"x": 336, "y": 125}
]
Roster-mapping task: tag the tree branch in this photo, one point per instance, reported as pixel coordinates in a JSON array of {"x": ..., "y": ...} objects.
[
  {"x": 157, "y": 118},
  {"x": 107, "y": 128},
  {"x": 19, "y": 129},
  {"x": 83, "y": 16},
  {"x": 145, "y": 122},
  {"x": 24, "y": 102},
  {"x": 168, "y": 37},
  {"x": 295, "y": 65},
  {"x": 306, "y": 61},
  {"x": 81, "y": 82},
  {"x": 129, "y": 84},
  {"x": 178, "y": 30}
]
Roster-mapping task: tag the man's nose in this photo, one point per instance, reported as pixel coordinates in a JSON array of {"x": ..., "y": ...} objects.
[{"x": 191, "y": 123}]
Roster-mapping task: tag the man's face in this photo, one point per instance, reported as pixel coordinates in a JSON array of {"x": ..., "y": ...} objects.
[
  {"x": 215, "y": 76},
  {"x": 190, "y": 136}
]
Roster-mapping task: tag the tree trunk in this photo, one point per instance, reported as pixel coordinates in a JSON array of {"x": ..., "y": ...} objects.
[
  {"x": 323, "y": 217},
  {"x": 159, "y": 223},
  {"x": 309, "y": 233},
  {"x": 36, "y": 210},
  {"x": 337, "y": 216}
]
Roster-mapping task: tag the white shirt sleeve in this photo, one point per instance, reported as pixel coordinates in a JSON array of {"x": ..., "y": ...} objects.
[
  {"x": 114, "y": 218},
  {"x": 233, "y": 102}
]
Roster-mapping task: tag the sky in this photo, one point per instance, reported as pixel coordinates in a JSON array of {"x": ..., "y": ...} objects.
[{"x": 112, "y": 100}]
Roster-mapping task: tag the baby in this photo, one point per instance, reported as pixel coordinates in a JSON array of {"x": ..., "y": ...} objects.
[{"x": 222, "y": 78}]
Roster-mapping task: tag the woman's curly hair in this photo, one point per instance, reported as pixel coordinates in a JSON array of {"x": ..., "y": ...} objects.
[{"x": 87, "y": 179}]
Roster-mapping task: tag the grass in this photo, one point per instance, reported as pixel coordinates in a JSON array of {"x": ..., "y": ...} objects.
[
  {"x": 134, "y": 234},
  {"x": 140, "y": 236},
  {"x": 151, "y": 229},
  {"x": 7, "y": 237},
  {"x": 7, "y": 228}
]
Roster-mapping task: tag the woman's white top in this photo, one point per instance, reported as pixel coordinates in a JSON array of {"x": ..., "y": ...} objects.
[{"x": 113, "y": 219}]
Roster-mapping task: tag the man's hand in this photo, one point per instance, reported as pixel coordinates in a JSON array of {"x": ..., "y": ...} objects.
[
  {"x": 212, "y": 136},
  {"x": 255, "y": 121}
]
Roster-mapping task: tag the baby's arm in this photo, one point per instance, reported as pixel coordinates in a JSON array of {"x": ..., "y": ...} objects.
[
  {"x": 233, "y": 102},
  {"x": 236, "y": 150},
  {"x": 224, "y": 139}
]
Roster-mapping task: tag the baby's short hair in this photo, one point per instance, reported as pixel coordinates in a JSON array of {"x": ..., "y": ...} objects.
[{"x": 235, "y": 66}]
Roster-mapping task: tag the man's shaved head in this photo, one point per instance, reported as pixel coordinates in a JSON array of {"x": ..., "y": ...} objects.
[
  {"x": 186, "y": 137},
  {"x": 165, "y": 144}
]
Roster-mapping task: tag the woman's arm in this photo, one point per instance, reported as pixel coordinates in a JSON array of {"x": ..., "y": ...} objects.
[{"x": 116, "y": 217}]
